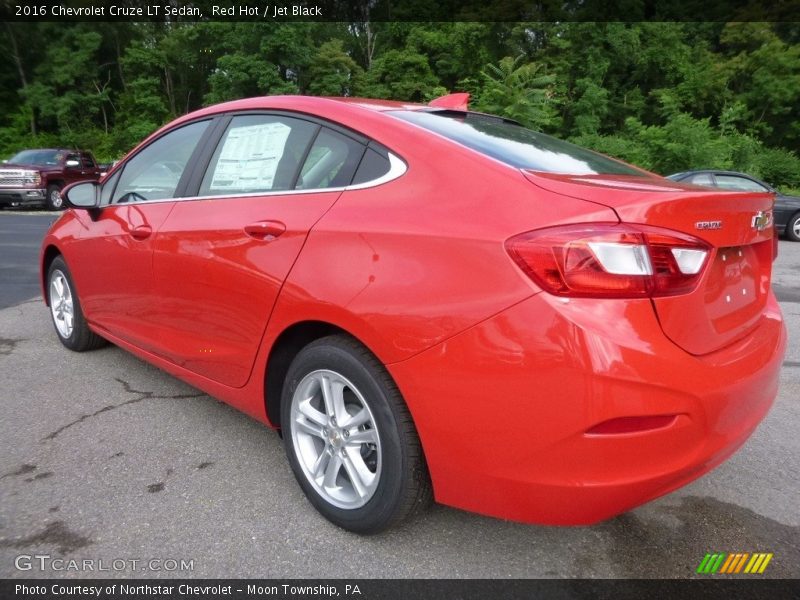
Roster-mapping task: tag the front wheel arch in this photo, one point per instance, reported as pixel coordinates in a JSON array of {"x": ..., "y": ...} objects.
[
  {"x": 50, "y": 254},
  {"x": 71, "y": 326}
]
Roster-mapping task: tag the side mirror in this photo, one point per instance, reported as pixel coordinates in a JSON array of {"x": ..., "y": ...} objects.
[
  {"x": 83, "y": 194},
  {"x": 72, "y": 164}
]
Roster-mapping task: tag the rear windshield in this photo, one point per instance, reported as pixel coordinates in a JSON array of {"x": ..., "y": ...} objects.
[
  {"x": 514, "y": 145},
  {"x": 42, "y": 158}
]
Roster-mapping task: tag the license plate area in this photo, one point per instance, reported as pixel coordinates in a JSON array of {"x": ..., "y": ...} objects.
[{"x": 737, "y": 285}]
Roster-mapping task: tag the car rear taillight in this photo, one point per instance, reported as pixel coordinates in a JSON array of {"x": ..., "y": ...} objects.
[{"x": 602, "y": 260}]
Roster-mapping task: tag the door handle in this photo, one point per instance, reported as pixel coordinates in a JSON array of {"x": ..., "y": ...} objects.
[
  {"x": 141, "y": 232},
  {"x": 265, "y": 230}
]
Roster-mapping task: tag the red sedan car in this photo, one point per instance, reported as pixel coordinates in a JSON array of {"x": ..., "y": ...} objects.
[{"x": 431, "y": 301}]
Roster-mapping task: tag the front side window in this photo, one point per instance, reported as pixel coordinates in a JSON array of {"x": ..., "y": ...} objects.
[
  {"x": 108, "y": 188},
  {"x": 515, "y": 145},
  {"x": 155, "y": 172},
  {"x": 258, "y": 153},
  {"x": 739, "y": 184}
]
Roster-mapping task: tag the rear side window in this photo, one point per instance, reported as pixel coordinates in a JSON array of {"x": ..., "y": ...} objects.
[
  {"x": 741, "y": 184},
  {"x": 155, "y": 172},
  {"x": 373, "y": 166},
  {"x": 331, "y": 162},
  {"x": 701, "y": 179},
  {"x": 258, "y": 153},
  {"x": 515, "y": 145}
]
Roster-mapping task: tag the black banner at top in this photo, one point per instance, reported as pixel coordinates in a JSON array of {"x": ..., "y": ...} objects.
[{"x": 400, "y": 10}]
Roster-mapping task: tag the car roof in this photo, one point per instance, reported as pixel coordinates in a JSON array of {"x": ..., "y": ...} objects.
[
  {"x": 314, "y": 105},
  {"x": 716, "y": 171},
  {"x": 307, "y": 102},
  {"x": 379, "y": 104}
]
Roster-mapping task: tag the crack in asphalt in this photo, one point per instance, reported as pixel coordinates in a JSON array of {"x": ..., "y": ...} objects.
[
  {"x": 56, "y": 533},
  {"x": 8, "y": 345},
  {"x": 142, "y": 395},
  {"x": 23, "y": 470}
]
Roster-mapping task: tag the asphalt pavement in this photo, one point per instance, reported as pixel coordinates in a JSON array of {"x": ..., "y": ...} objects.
[
  {"x": 20, "y": 237},
  {"x": 107, "y": 458}
]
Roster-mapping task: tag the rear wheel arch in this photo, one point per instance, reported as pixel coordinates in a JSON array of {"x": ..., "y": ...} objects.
[{"x": 286, "y": 346}]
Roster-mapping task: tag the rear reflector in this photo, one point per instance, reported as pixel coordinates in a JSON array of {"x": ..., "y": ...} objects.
[
  {"x": 610, "y": 260},
  {"x": 632, "y": 424}
]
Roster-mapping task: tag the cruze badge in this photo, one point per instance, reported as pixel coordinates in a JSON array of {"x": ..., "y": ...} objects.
[
  {"x": 708, "y": 225},
  {"x": 761, "y": 220}
]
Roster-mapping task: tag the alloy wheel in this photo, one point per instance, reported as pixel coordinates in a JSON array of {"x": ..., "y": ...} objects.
[
  {"x": 335, "y": 439},
  {"x": 61, "y": 304},
  {"x": 55, "y": 199}
]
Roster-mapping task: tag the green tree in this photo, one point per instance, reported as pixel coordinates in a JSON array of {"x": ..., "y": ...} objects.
[
  {"x": 332, "y": 71},
  {"x": 399, "y": 74},
  {"x": 243, "y": 75},
  {"x": 520, "y": 91}
]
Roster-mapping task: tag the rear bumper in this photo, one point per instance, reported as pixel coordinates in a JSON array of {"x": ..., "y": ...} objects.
[
  {"x": 16, "y": 196},
  {"x": 503, "y": 408}
]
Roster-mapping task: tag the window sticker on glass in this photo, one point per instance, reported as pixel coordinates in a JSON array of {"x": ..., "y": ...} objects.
[{"x": 249, "y": 157}]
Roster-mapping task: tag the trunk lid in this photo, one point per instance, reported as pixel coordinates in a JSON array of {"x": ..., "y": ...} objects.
[{"x": 729, "y": 300}]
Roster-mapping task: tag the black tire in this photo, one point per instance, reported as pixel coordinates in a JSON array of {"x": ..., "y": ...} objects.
[
  {"x": 403, "y": 486},
  {"x": 81, "y": 338},
  {"x": 793, "y": 228},
  {"x": 54, "y": 201}
]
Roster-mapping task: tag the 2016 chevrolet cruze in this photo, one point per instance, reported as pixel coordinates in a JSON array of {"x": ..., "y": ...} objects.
[{"x": 427, "y": 300}]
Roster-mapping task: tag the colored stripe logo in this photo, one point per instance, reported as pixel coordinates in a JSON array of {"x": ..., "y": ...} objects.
[{"x": 734, "y": 562}]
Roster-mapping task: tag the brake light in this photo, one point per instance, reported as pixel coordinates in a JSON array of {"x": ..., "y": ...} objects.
[{"x": 602, "y": 260}]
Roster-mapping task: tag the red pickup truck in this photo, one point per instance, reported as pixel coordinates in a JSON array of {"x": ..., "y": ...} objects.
[{"x": 35, "y": 177}]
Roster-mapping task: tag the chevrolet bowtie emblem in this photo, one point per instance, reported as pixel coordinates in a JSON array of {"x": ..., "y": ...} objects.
[{"x": 761, "y": 220}]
